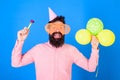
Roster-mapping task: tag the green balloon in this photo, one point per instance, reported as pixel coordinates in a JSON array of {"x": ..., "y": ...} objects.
[{"x": 94, "y": 25}]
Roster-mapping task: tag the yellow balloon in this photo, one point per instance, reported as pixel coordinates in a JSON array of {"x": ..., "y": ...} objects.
[
  {"x": 83, "y": 36},
  {"x": 106, "y": 37}
]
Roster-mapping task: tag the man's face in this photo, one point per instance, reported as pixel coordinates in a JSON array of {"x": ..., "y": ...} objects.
[
  {"x": 56, "y": 27},
  {"x": 56, "y": 34}
]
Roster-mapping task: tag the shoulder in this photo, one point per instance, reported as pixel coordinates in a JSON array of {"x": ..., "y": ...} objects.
[
  {"x": 39, "y": 45},
  {"x": 70, "y": 46}
]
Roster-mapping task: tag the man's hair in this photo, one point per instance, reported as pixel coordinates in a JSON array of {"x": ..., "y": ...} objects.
[{"x": 58, "y": 18}]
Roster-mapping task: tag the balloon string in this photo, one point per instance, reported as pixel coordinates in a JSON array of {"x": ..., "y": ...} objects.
[
  {"x": 96, "y": 73},
  {"x": 97, "y": 69}
]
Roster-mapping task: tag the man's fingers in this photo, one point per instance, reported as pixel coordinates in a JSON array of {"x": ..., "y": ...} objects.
[
  {"x": 26, "y": 30},
  {"x": 23, "y": 32}
]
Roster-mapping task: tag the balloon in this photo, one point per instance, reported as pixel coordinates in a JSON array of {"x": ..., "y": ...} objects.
[
  {"x": 106, "y": 37},
  {"x": 94, "y": 25},
  {"x": 83, "y": 36}
]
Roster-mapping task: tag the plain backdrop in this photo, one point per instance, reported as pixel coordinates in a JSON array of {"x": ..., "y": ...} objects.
[{"x": 16, "y": 14}]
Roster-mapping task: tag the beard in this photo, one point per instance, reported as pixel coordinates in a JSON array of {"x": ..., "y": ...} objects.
[{"x": 56, "y": 41}]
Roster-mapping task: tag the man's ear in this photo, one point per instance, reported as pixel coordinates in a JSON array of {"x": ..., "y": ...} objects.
[
  {"x": 67, "y": 29},
  {"x": 47, "y": 28}
]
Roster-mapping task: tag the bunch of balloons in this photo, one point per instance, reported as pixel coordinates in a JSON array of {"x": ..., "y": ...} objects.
[{"x": 95, "y": 27}]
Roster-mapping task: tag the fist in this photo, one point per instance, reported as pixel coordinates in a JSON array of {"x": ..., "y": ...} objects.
[
  {"x": 94, "y": 42},
  {"x": 22, "y": 34}
]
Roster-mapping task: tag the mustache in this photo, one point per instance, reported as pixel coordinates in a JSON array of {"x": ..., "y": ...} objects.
[{"x": 56, "y": 33}]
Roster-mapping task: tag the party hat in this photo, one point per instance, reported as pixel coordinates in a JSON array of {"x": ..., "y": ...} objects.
[{"x": 52, "y": 14}]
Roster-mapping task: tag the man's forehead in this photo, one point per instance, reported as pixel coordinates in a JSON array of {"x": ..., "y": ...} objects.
[{"x": 57, "y": 23}]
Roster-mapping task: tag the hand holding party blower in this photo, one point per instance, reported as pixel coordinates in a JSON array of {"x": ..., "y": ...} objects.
[
  {"x": 22, "y": 34},
  {"x": 31, "y": 22}
]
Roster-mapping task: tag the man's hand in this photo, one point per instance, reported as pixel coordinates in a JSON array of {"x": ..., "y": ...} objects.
[
  {"x": 94, "y": 42},
  {"x": 22, "y": 34}
]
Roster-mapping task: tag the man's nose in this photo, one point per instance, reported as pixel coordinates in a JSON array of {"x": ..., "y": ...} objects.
[{"x": 57, "y": 30}]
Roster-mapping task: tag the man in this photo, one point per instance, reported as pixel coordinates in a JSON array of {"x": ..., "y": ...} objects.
[{"x": 53, "y": 59}]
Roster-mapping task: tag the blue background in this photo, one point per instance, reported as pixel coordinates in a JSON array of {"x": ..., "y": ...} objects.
[{"x": 16, "y": 14}]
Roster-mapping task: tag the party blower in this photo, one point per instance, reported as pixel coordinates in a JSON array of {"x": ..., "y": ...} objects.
[{"x": 31, "y": 22}]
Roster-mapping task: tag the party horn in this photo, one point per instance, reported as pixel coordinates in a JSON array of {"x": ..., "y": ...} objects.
[{"x": 31, "y": 22}]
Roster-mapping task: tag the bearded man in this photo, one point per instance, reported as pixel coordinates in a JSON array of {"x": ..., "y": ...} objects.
[{"x": 53, "y": 59}]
